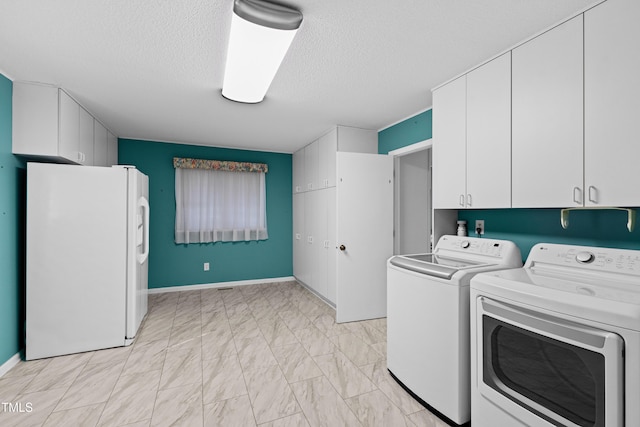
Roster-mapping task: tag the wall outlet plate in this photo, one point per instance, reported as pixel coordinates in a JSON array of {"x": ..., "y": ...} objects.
[
  {"x": 479, "y": 227},
  {"x": 206, "y": 266}
]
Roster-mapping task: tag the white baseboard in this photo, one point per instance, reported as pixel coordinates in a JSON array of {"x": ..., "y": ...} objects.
[
  {"x": 6, "y": 366},
  {"x": 220, "y": 285}
]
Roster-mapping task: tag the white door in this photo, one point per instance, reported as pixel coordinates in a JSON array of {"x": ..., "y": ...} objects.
[{"x": 364, "y": 218}]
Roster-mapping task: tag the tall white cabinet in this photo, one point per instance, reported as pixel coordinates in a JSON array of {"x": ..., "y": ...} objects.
[
  {"x": 314, "y": 205},
  {"x": 49, "y": 124}
]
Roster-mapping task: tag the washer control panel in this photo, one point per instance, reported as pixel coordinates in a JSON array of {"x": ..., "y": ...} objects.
[
  {"x": 586, "y": 257},
  {"x": 474, "y": 246}
]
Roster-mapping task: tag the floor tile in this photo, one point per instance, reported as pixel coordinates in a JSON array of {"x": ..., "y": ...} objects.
[
  {"x": 132, "y": 399},
  {"x": 355, "y": 349},
  {"x": 296, "y": 420},
  {"x": 222, "y": 379},
  {"x": 34, "y": 408},
  {"x": 374, "y": 409},
  {"x": 315, "y": 342},
  {"x": 85, "y": 416},
  {"x": 111, "y": 355},
  {"x": 179, "y": 406},
  {"x": 296, "y": 363},
  {"x": 393, "y": 390},
  {"x": 270, "y": 395},
  {"x": 218, "y": 343},
  {"x": 94, "y": 385},
  {"x": 27, "y": 368},
  {"x": 347, "y": 379},
  {"x": 181, "y": 367},
  {"x": 10, "y": 387},
  {"x": 231, "y": 412},
  {"x": 146, "y": 356},
  {"x": 60, "y": 373},
  {"x": 254, "y": 353},
  {"x": 322, "y": 405},
  {"x": 425, "y": 418}
]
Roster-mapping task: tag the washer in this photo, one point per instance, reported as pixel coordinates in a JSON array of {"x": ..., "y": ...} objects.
[
  {"x": 428, "y": 319},
  {"x": 557, "y": 342}
]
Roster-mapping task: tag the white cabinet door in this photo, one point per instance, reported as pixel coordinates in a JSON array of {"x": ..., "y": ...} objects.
[
  {"x": 100, "y": 144},
  {"x": 311, "y": 166},
  {"x": 86, "y": 138},
  {"x": 327, "y": 148},
  {"x": 69, "y": 130},
  {"x": 112, "y": 149},
  {"x": 320, "y": 256},
  {"x": 299, "y": 237},
  {"x": 612, "y": 103},
  {"x": 488, "y": 152},
  {"x": 35, "y": 119},
  {"x": 547, "y": 140},
  {"x": 364, "y": 205},
  {"x": 299, "y": 183},
  {"x": 330, "y": 247},
  {"x": 307, "y": 253},
  {"x": 449, "y": 152}
]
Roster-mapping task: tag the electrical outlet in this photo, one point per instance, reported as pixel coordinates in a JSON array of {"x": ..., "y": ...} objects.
[
  {"x": 479, "y": 227},
  {"x": 206, "y": 266}
]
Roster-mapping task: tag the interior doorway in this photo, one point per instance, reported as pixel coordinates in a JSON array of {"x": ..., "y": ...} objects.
[{"x": 412, "y": 199}]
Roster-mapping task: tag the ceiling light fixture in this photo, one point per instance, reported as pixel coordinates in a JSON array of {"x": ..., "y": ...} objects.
[{"x": 261, "y": 33}]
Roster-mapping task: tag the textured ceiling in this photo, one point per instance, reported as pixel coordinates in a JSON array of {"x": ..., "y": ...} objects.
[{"x": 153, "y": 69}]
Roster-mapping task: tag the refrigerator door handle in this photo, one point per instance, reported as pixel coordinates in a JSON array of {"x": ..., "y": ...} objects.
[{"x": 144, "y": 204}]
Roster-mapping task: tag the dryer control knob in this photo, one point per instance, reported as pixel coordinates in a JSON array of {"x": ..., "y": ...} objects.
[
  {"x": 585, "y": 257},
  {"x": 465, "y": 244}
]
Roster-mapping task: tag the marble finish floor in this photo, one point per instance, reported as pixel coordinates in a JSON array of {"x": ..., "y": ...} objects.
[{"x": 266, "y": 355}]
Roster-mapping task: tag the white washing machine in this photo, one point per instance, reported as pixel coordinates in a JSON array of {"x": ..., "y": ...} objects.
[
  {"x": 557, "y": 342},
  {"x": 428, "y": 319}
]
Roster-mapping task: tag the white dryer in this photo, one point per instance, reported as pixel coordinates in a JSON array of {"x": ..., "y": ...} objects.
[
  {"x": 428, "y": 319},
  {"x": 557, "y": 343}
]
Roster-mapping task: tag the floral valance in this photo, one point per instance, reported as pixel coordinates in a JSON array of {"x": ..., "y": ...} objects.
[{"x": 219, "y": 165}]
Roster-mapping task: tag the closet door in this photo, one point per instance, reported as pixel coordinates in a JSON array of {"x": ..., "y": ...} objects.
[
  {"x": 547, "y": 142},
  {"x": 612, "y": 103}
]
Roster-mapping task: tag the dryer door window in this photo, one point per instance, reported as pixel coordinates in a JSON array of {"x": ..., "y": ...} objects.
[{"x": 566, "y": 373}]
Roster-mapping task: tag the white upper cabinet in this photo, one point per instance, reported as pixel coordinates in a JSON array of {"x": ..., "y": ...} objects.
[
  {"x": 49, "y": 124},
  {"x": 547, "y": 118},
  {"x": 299, "y": 184},
  {"x": 327, "y": 149},
  {"x": 489, "y": 135},
  {"x": 86, "y": 138},
  {"x": 100, "y": 144},
  {"x": 112, "y": 149},
  {"x": 612, "y": 103},
  {"x": 449, "y": 147},
  {"x": 311, "y": 166}
]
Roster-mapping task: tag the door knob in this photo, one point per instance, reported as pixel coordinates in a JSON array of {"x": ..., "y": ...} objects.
[{"x": 343, "y": 247}]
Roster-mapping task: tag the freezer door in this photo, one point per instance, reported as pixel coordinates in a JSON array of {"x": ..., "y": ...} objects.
[
  {"x": 137, "y": 250},
  {"x": 76, "y": 259}
]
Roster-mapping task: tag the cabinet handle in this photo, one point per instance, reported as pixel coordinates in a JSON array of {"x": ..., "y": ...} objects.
[
  {"x": 468, "y": 199},
  {"x": 298, "y": 236},
  {"x": 593, "y": 194},
  {"x": 577, "y": 195},
  {"x": 462, "y": 200}
]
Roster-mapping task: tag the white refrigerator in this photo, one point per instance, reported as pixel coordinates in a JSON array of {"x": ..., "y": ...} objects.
[{"x": 87, "y": 257}]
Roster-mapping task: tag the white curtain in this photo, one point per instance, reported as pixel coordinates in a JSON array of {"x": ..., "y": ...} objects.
[{"x": 213, "y": 205}]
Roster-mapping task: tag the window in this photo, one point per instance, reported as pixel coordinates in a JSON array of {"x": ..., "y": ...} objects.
[{"x": 220, "y": 201}]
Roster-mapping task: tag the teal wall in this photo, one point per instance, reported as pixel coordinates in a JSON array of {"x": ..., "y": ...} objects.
[
  {"x": 525, "y": 227},
  {"x": 407, "y": 132},
  {"x": 171, "y": 264},
  {"x": 12, "y": 214}
]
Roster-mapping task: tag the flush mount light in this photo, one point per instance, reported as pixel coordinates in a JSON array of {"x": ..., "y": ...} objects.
[{"x": 261, "y": 33}]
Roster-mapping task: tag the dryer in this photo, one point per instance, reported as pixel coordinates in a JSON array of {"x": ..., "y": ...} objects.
[
  {"x": 557, "y": 342},
  {"x": 428, "y": 319}
]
